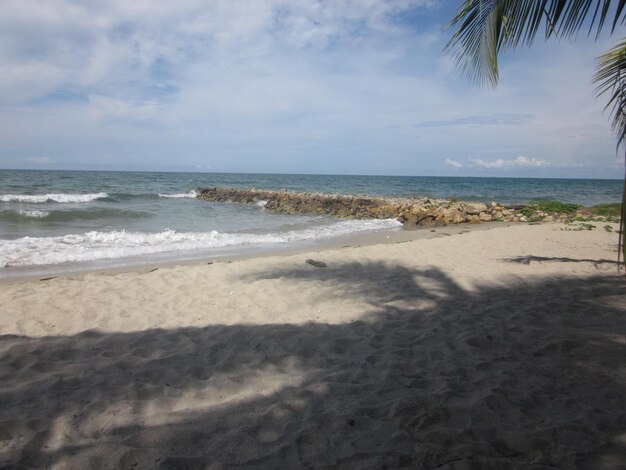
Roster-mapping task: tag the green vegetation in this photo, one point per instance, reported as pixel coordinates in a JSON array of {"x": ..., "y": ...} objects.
[
  {"x": 606, "y": 210},
  {"x": 578, "y": 216},
  {"x": 553, "y": 207},
  {"x": 584, "y": 226},
  {"x": 526, "y": 211},
  {"x": 556, "y": 206},
  {"x": 578, "y": 226},
  {"x": 601, "y": 213}
]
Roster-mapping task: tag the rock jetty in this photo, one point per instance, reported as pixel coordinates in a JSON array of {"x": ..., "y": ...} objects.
[{"x": 423, "y": 212}]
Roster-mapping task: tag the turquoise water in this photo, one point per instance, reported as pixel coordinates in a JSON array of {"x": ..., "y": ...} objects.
[{"x": 70, "y": 219}]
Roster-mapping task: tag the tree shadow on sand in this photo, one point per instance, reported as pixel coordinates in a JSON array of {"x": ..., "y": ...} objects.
[
  {"x": 553, "y": 259},
  {"x": 433, "y": 376}
]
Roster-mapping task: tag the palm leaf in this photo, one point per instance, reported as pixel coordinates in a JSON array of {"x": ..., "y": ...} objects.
[
  {"x": 482, "y": 28},
  {"x": 611, "y": 79}
]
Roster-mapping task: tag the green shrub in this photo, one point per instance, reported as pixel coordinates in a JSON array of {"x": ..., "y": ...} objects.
[
  {"x": 546, "y": 206},
  {"x": 606, "y": 210},
  {"x": 555, "y": 206},
  {"x": 526, "y": 211}
]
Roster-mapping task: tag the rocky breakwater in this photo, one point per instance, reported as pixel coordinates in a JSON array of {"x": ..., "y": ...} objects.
[{"x": 422, "y": 212}]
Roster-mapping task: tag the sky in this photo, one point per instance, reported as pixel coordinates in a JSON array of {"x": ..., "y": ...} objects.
[{"x": 288, "y": 86}]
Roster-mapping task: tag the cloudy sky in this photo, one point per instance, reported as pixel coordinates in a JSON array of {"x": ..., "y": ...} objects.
[{"x": 287, "y": 86}]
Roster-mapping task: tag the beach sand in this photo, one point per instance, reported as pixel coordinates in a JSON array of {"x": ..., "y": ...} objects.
[{"x": 491, "y": 349}]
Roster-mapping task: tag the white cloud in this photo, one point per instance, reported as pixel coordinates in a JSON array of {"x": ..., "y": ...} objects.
[
  {"x": 282, "y": 85},
  {"x": 116, "y": 47},
  {"x": 103, "y": 107},
  {"x": 453, "y": 163},
  {"x": 39, "y": 160},
  {"x": 519, "y": 162}
]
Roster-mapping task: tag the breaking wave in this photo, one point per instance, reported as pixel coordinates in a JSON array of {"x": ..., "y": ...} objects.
[
  {"x": 41, "y": 198},
  {"x": 190, "y": 194},
  {"x": 91, "y": 246},
  {"x": 33, "y": 214}
]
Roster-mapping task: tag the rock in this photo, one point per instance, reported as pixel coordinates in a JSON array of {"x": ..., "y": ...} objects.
[
  {"x": 410, "y": 219},
  {"x": 474, "y": 208},
  {"x": 428, "y": 221},
  {"x": 317, "y": 264},
  {"x": 413, "y": 212},
  {"x": 452, "y": 215}
]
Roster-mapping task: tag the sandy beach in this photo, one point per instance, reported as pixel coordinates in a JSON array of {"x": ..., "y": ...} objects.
[{"x": 487, "y": 349}]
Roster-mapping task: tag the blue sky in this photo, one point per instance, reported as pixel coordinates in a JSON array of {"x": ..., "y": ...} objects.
[{"x": 287, "y": 86}]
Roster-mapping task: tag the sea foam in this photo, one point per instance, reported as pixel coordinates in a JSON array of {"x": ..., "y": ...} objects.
[
  {"x": 33, "y": 214},
  {"x": 190, "y": 194},
  {"x": 91, "y": 246},
  {"x": 41, "y": 198}
]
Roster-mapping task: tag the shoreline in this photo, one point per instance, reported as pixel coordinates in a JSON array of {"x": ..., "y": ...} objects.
[
  {"x": 356, "y": 239},
  {"x": 413, "y": 213}
]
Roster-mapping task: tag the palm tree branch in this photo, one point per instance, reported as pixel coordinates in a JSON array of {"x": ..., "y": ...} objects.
[
  {"x": 482, "y": 28},
  {"x": 618, "y": 14},
  {"x": 610, "y": 77}
]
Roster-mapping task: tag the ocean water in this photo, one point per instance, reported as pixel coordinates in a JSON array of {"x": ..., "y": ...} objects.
[{"x": 54, "y": 221}]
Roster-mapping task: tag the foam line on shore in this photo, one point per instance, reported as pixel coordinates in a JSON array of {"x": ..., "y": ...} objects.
[
  {"x": 91, "y": 246},
  {"x": 55, "y": 197}
]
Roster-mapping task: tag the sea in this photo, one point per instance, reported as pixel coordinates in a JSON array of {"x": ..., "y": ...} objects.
[{"x": 64, "y": 221}]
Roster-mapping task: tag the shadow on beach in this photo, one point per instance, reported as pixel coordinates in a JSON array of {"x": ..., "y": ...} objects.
[
  {"x": 554, "y": 259},
  {"x": 432, "y": 376}
]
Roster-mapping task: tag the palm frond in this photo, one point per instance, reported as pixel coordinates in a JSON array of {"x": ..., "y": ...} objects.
[
  {"x": 482, "y": 28},
  {"x": 611, "y": 79}
]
